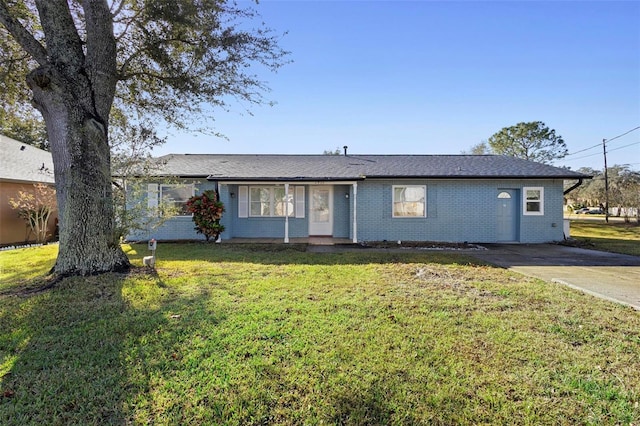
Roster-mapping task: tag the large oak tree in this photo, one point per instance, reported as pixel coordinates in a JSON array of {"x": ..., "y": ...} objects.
[{"x": 147, "y": 59}]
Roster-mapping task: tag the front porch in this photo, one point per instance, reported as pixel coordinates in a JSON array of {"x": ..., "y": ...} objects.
[
  {"x": 312, "y": 241},
  {"x": 286, "y": 212}
]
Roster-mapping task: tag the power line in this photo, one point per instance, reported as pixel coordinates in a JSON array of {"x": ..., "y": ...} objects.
[
  {"x": 599, "y": 144},
  {"x": 598, "y": 153},
  {"x": 584, "y": 156},
  {"x": 624, "y": 146},
  {"x": 583, "y": 150},
  {"x": 625, "y": 133}
]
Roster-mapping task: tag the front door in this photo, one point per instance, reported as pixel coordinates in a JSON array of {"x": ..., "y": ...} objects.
[
  {"x": 506, "y": 216},
  {"x": 321, "y": 210}
]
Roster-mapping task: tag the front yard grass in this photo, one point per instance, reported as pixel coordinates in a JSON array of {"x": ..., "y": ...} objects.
[
  {"x": 223, "y": 334},
  {"x": 614, "y": 237}
]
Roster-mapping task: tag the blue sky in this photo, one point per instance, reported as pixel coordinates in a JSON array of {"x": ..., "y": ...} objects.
[{"x": 427, "y": 77}]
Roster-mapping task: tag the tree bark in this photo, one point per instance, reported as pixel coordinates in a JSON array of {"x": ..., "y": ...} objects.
[
  {"x": 74, "y": 91},
  {"x": 81, "y": 161}
]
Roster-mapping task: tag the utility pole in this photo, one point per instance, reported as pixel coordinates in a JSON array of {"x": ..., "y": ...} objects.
[{"x": 606, "y": 182}]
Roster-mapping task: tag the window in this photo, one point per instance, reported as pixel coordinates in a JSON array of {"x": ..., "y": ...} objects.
[
  {"x": 409, "y": 201},
  {"x": 177, "y": 195},
  {"x": 533, "y": 201},
  {"x": 271, "y": 201}
]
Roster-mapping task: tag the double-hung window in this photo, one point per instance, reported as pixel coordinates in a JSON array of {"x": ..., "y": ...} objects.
[
  {"x": 533, "y": 200},
  {"x": 271, "y": 201},
  {"x": 409, "y": 201},
  {"x": 176, "y": 196}
]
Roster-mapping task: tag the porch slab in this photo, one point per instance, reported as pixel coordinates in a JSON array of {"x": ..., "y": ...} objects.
[{"x": 312, "y": 241}]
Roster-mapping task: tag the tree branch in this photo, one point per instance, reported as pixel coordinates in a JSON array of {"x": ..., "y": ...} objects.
[
  {"x": 101, "y": 54},
  {"x": 115, "y": 10},
  {"x": 128, "y": 22},
  {"x": 64, "y": 46},
  {"x": 122, "y": 71},
  {"x": 23, "y": 37}
]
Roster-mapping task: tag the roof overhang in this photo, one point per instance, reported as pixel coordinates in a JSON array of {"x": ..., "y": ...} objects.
[
  {"x": 164, "y": 176},
  {"x": 26, "y": 182},
  {"x": 297, "y": 179},
  {"x": 294, "y": 182},
  {"x": 492, "y": 177},
  {"x": 338, "y": 180}
]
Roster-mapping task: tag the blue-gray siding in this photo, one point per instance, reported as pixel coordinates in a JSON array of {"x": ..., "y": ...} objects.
[
  {"x": 176, "y": 228},
  {"x": 256, "y": 227},
  {"x": 457, "y": 210}
]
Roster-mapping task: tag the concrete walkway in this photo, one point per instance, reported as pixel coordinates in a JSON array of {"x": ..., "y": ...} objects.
[{"x": 615, "y": 277}]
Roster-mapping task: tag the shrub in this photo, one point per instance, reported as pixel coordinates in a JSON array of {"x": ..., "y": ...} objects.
[
  {"x": 207, "y": 211},
  {"x": 35, "y": 208}
]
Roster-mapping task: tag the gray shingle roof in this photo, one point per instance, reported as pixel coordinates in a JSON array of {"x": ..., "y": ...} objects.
[
  {"x": 352, "y": 167},
  {"x": 20, "y": 162}
]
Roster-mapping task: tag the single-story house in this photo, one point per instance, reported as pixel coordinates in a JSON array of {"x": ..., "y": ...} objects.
[
  {"x": 21, "y": 166},
  {"x": 365, "y": 198}
]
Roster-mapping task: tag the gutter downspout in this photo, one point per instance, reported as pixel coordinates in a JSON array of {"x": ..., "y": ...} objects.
[
  {"x": 566, "y": 223},
  {"x": 574, "y": 186}
]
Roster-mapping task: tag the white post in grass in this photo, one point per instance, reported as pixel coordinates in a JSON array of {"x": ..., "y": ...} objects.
[{"x": 150, "y": 260}]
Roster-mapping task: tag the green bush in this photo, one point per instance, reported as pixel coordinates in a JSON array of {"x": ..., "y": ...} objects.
[{"x": 207, "y": 211}]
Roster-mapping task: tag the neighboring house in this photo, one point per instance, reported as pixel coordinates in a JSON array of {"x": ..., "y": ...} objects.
[
  {"x": 21, "y": 166},
  {"x": 447, "y": 198}
]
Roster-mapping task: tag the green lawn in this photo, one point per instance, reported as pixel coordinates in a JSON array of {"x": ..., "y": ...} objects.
[
  {"x": 615, "y": 237},
  {"x": 259, "y": 335}
]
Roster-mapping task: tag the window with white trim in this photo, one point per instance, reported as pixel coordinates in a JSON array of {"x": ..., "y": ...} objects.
[
  {"x": 409, "y": 201},
  {"x": 533, "y": 200},
  {"x": 271, "y": 201},
  {"x": 177, "y": 196}
]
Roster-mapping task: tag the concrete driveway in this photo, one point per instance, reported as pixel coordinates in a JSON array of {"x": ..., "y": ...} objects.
[{"x": 610, "y": 276}]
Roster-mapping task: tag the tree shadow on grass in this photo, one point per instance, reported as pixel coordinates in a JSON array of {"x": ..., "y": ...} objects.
[
  {"x": 366, "y": 407},
  {"x": 62, "y": 354},
  {"x": 121, "y": 349},
  {"x": 89, "y": 350},
  {"x": 118, "y": 349}
]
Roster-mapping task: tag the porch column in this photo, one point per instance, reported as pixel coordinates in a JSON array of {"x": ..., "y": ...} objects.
[
  {"x": 286, "y": 213},
  {"x": 355, "y": 212}
]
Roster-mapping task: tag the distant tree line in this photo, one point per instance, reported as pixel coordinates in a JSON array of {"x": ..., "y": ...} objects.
[{"x": 624, "y": 191}]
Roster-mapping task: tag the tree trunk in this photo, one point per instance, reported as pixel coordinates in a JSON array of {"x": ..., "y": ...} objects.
[
  {"x": 81, "y": 158},
  {"x": 73, "y": 87}
]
